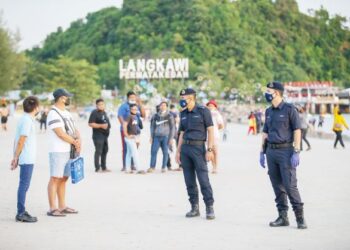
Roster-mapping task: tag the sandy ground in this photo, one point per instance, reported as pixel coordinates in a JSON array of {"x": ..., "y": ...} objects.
[{"x": 119, "y": 211}]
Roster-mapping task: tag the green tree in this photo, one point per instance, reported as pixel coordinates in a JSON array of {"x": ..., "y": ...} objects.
[
  {"x": 109, "y": 75},
  {"x": 77, "y": 76},
  {"x": 11, "y": 62}
]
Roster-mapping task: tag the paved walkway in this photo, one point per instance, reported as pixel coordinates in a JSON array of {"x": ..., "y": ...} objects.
[{"x": 119, "y": 211}]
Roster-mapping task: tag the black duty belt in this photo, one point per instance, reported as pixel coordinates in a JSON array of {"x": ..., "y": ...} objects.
[
  {"x": 192, "y": 142},
  {"x": 279, "y": 145}
]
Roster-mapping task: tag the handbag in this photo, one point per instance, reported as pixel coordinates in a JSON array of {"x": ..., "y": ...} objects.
[{"x": 77, "y": 169}]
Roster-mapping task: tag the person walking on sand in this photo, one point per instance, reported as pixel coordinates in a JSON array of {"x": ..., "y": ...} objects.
[
  {"x": 4, "y": 113},
  {"x": 252, "y": 123},
  {"x": 43, "y": 119},
  {"x": 218, "y": 125},
  {"x": 338, "y": 126},
  {"x": 304, "y": 128}
]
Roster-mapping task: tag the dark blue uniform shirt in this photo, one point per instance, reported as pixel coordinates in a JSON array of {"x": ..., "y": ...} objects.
[
  {"x": 194, "y": 123},
  {"x": 281, "y": 122}
]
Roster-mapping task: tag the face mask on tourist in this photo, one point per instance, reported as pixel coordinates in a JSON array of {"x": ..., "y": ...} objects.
[
  {"x": 67, "y": 102},
  {"x": 131, "y": 102}
]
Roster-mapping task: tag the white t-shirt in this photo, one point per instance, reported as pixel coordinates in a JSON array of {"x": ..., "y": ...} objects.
[
  {"x": 54, "y": 120},
  {"x": 217, "y": 120}
]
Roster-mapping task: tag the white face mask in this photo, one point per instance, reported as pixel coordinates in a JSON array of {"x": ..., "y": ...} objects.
[{"x": 131, "y": 102}]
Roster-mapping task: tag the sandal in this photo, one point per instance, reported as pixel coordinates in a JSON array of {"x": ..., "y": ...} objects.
[
  {"x": 69, "y": 210},
  {"x": 55, "y": 213}
]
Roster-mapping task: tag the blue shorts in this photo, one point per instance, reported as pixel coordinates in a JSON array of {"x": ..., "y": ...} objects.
[{"x": 59, "y": 166}]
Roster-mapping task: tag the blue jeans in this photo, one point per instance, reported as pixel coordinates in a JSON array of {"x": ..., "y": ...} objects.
[
  {"x": 157, "y": 142},
  {"x": 24, "y": 181},
  {"x": 132, "y": 154}
]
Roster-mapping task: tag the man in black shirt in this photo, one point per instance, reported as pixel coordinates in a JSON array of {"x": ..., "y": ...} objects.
[{"x": 100, "y": 124}]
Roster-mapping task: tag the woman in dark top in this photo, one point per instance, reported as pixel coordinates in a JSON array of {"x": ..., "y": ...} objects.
[{"x": 131, "y": 128}]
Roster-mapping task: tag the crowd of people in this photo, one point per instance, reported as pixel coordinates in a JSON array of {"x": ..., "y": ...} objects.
[
  {"x": 193, "y": 132},
  {"x": 65, "y": 142}
]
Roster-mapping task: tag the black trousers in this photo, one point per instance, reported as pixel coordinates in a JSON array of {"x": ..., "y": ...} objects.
[
  {"x": 303, "y": 135},
  {"x": 101, "y": 150},
  {"x": 43, "y": 124},
  {"x": 283, "y": 178},
  {"x": 194, "y": 165},
  {"x": 338, "y": 138}
]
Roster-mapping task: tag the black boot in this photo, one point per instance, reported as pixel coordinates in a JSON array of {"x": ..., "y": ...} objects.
[
  {"x": 299, "y": 214},
  {"x": 281, "y": 221},
  {"x": 210, "y": 213},
  {"x": 194, "y": 211}
]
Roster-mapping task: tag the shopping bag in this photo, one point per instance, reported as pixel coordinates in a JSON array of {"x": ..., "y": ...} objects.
[{"x": 77, "y": 169}]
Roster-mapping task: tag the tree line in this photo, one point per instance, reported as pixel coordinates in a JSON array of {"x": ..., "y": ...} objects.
[{"x": 232, "y": 45}]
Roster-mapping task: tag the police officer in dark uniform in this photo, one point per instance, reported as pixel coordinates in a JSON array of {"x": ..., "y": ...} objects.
[
  {"x": 281, "y": 144},
  {"x": 195, "y": 124}
]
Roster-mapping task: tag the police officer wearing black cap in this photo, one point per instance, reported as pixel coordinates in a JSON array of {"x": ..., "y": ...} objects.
[
  {"x": 281, "y": 144},
  {"x": 195, "y": 124}
]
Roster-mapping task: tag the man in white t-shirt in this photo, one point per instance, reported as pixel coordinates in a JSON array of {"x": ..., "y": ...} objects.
[
  {"x": 63, "y": 135},
  {"x": 218, "y": 125}
]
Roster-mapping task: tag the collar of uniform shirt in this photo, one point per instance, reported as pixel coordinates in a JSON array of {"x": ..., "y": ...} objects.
[
  {"x": 280, "y": 106},
  {"x": 194, "y": 110}
]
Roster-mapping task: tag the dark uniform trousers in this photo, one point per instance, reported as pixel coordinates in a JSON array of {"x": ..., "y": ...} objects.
[
  {"x": 283, "y": 178},
  {"x": 194, "y": 164},
  {"x": 101, "y": 150}
]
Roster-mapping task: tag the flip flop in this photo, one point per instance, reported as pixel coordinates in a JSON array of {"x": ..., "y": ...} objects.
[
  {"x": 69, "y": 210},
  {"x": 55, "y": 213}
]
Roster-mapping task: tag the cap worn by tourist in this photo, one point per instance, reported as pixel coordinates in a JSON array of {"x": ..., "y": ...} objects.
[
  {"x": 188, "y": 91},
  {"x": 213, "y": 102},
  {"x": 276, "y": 86},
  {"x": 61, "y": 92}
]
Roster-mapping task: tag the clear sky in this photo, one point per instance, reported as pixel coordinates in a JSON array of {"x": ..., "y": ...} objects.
[{"x": 35, "y": 19}]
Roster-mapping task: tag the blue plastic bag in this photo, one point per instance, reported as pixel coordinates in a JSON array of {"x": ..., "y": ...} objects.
[{"x": 77, "y": 169}]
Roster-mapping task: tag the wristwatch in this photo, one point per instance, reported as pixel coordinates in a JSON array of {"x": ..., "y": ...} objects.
[
  {"x": 296, "y": 150},
  {"x": 210, "y": 149}
]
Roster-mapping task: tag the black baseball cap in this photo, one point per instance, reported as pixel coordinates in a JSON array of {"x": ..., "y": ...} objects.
[
  {"x": 61, "y": 92},
  {"x": 188, "y": 91},
  {"x": 275, "y": 85}
]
